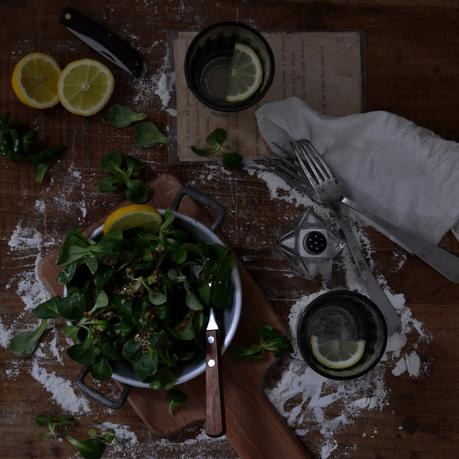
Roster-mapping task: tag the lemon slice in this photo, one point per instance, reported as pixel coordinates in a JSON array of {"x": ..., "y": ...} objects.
[
  {"x": 34, "y": 80},
  {"x": 336, "y": 354},
  {"x": 246, "y": 74},
  {"x": 85, "y": 86},
  {"x": 133, "y": 216}
]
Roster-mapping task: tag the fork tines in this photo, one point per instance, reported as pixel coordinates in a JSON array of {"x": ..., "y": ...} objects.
[{"x": 311, "y": 162}]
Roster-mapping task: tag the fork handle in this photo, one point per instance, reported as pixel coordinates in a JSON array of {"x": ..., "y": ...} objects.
[
  {"x": 439, "y": 259},
  {"x": 374, "y": 290}
]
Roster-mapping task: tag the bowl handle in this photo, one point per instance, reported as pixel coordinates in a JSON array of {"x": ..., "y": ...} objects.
[
  {"x": 204, "y": 199},
  {"x": 97, "y": 396}
]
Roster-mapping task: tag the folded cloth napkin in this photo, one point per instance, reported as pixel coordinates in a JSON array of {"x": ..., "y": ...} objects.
[{"x": 403, "y": 173}]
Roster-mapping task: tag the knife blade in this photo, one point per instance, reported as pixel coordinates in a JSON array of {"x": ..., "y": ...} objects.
[{"x": 103, "y": 41}]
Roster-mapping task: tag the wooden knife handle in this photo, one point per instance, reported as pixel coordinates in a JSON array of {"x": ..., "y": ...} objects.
[{"x": 215, "y": 425}]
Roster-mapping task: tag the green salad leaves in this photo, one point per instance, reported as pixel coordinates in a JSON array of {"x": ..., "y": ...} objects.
[
  {"x": 18, "y": 143},
  {"x": 270, "y": 340},
  {"x": 138, "y": 297},
  {"x": 124, "y": 171},
  {"x": 215, "y": 141}
]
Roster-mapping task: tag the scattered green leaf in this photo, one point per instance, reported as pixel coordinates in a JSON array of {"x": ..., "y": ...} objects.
[
  {"x": 270, "y": 340},
  {"x": 24, "y": 343},
  {"x": 124, "y": 170},
  {"x": 56, "y": 425},
  {"x": 146, "y": 135},
  {"x": 92, "y": 448},
  {"x": 175, "y": 398},
  {"x": 121, "y": 116},
  {"x": 215, "y": 141},
  {"x": 44, "y": 159},
  {"x": 18, "y": 143}
]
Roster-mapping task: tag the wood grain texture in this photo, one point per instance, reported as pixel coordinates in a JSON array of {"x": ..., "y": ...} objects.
[{"x": 412, "y": 65}]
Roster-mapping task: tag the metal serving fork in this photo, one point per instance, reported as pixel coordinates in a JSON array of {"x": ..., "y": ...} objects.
[{"x": 288, "y": 166}]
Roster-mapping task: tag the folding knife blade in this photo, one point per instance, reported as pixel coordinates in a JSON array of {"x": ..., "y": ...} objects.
[{"x": 103, "y": 41}]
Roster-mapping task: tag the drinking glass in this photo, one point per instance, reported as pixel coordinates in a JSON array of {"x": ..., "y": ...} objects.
[
  {"x": 208, "y": 63},
  {"x": 342, "y": 316}
]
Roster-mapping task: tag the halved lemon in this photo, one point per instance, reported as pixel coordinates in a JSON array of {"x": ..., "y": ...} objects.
[
  {"x": 337, "y": 354},
  {"x": 133, "y": 216},
  {"x": 85, "y": 86},
  {"x": 246, "y": 74},
  {"x": 34, "y": 80}
]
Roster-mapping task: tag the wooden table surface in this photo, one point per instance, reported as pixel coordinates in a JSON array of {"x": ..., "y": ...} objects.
[{"x": 412, "y": 64}]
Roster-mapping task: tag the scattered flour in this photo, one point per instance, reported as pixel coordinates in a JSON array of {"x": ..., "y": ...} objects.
[
  {"x": 5, "y": 335},
  {"x": 410, "y": 363},
  {"x": 67, "y": 199},
  {"x": 279, "y": 189},
  {"x": 127, "y": 445},
  {"x": 60, "y": 389},
  {"x": 26, "y": 239},
  {"x": 400, "y": 258},
  {"x": 55, "y": 349},
  {"x": 28, "y": 243},
  {"x": 161, "y": 84},
  {"x": 13, "y": 371},
  {"x": 125, "y": 440},
  {"x": 40, "y": 206},
  {"x": 328, "y": 405}
]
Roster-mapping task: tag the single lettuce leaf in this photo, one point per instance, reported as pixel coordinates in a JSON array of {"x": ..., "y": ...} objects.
[
  {"x": 147, "y": 135},
  {"x": 121, "y": 116},
  {"x": 24, "y": 343}
]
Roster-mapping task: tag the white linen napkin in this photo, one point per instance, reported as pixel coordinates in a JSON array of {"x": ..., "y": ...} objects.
[{"x": 403, "y": 173}]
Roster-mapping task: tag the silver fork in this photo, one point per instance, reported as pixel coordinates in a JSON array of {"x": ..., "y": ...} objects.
[
  {"x": 441, "y": 260},
  {"x": 329, "y": 193}
]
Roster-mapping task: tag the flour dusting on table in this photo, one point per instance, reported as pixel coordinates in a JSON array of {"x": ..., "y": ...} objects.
[
  {"x": 127, "y": 445},
  {"x": 60, "y": 389},
  {"x": 321, "y": 399}
]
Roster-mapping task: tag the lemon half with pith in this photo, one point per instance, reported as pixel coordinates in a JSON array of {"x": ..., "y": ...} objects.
[
  {"x": 35, "y": 79},
  {"x": 85, "y": 86}
]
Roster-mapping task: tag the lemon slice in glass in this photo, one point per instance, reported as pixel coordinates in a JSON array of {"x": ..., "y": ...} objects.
[
  {"x": 85, "y": 86},
  {"x": 246, "y": 74},
  {"x": 34, "y": 80},
  {"x": 133, "y": 216},
  {"x": 336, "y": 354}
]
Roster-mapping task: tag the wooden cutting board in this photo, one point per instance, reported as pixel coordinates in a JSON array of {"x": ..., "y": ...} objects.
[{"x": 253, "y": 426}]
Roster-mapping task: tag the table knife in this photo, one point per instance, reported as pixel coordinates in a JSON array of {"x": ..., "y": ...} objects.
[
  {"x": 374, "y": 290},
  {"x": 215, "y": 425},
  {"x": 103, "y": 41},
  {"x": 441, "y": 260}
]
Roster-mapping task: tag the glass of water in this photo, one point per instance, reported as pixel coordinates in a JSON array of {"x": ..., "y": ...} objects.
[
  {"x": 229, "y": 67},
  {"x": 342, "y": 334}
]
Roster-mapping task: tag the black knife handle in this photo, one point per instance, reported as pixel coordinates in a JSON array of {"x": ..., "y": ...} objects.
[{"x": 81, "y": 24}]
